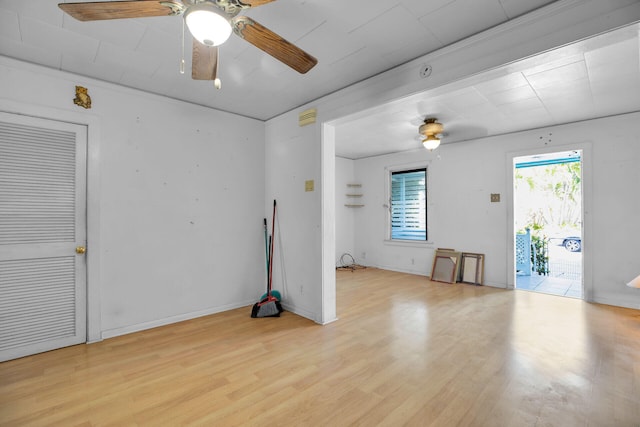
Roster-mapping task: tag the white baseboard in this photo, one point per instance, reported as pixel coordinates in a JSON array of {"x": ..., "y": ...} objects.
[
  {"x": 300, "y": 312},
  {"x": 400, "y": 270},
  {"x": 497, "y": 285},
  {"x": 110, "y": 333},
  {"x": 618, "y": 302},
  {"x": 335, "y": 319}
]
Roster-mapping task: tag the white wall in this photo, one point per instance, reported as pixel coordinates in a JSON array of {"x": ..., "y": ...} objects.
[
  {"x": 345, "y": 216},
  {"x": 371, "y": 235},
  {"x": 560, "y": 23},
  {"x": 180, "y": 203},
  {"x": 292, "y": 158},
  {"x": 462, "y": 176},
  {"x": 165, "y": 174}
]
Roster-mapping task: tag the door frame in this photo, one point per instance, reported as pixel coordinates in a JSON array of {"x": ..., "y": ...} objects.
[
  {"x": 587, "y": 186},
  {"x": 92, "y": 122}
]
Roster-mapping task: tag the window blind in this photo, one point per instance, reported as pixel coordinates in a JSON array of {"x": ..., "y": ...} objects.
[{"x": 409, "y": 205}]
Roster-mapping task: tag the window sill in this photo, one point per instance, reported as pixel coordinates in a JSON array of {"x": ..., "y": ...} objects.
[{"x": 408, "y": 243}]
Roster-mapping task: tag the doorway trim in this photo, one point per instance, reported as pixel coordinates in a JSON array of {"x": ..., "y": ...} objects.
[
  {"x": 587, "y": 188},
  {"x": 92, "y": 123},
  {"x": 328, "y": 222}
]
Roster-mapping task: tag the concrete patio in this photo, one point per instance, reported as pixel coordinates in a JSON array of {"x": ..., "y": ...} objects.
[{"x": 550, "y": 285}]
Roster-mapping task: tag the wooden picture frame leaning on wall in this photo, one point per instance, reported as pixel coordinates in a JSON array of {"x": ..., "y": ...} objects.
[
  {"x": 446, "y": 266},
  {"x": 472, "y": 268}
]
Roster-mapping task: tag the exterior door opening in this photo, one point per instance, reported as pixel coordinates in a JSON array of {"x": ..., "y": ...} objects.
[{"x": 548, "y": 223}]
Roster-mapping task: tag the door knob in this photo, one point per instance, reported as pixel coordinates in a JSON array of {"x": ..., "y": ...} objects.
[{"x": 81, "y": 250}]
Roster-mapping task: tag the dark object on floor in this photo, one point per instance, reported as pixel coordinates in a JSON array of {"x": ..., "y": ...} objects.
[
  {"x": 269, "y": 307},
  {"x": 347, "y": 262}
]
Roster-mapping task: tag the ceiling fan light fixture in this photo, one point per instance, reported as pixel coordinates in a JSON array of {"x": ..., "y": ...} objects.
[
  {"x": 431, "y": 142},
  {"x": 431, "y": 131},
  {"x": 430, "y": 127},
  {"x": 207, "y": 24}
]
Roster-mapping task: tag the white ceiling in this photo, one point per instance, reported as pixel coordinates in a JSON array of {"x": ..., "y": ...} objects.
[
  {"x": 593, "y": 78},
  {"x": 352, "y": 40}
]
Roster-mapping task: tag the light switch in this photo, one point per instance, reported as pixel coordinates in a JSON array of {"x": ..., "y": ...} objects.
[{"x": 308, "y": 185}]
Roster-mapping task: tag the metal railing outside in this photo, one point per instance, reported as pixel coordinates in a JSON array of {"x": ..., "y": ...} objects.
[{"x": 566, "y": 269}]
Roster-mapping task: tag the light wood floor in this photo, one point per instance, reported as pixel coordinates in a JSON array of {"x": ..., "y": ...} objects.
[{"x": 406, "y": 351}]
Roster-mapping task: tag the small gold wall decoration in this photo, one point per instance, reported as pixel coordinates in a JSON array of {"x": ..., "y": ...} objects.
[{"x": 82, "y": 97}]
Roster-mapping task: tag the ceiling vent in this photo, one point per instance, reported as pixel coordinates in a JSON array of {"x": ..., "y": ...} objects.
[{"x": 307, "y": 117}]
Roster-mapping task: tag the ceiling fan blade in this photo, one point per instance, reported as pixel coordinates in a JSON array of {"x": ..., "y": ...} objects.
[
  {"x": 204, "y": 62},
  {"x": 256, "y": 3},
  {"x": 265, "y": 39},
  {"x": 97, "y": 11}
]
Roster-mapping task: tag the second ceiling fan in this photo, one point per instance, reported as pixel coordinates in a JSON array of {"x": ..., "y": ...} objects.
[{"x": 210, "y": 23}]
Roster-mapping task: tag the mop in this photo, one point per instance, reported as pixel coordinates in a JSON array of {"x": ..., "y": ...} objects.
[{"x": 269, "y": 306}]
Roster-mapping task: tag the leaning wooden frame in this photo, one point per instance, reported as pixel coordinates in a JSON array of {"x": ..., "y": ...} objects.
[
  {"x": 446, "y": 266},
  {"x": 472, "y": 268}
]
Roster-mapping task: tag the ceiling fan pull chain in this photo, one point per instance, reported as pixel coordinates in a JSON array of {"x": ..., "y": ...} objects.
[
  {"x": 182, "y": 59},
  {"x": 216, "y": 80}
]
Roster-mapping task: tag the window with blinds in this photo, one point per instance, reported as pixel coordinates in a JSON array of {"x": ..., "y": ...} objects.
[{"x": 409, "y": 205}]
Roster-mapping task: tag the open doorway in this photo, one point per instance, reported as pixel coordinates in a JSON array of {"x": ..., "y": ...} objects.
[{"x": 548, "y": 223}]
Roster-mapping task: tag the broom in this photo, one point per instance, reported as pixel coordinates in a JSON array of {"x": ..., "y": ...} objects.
[
  {"x": 267, "y": 251},
  {"x": 269, "y": 306}
]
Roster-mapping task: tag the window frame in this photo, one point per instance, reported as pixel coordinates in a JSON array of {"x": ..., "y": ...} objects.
[{"x": 410, "y": 167}]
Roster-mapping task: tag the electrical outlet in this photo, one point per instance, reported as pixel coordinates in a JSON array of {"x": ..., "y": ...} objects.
[
  {"x": 495, "y": 197},
  {"x": 413, "y": 261}
]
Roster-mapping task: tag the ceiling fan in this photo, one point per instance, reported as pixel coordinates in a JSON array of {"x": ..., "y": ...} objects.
[
  {"x": 431, "y": 132},
  {"x": 209, "y": 21}
]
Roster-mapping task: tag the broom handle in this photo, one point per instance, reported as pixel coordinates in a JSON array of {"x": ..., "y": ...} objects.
[
  {"x": 266, "y": 251},
  {"x": 273, "y": 237}
]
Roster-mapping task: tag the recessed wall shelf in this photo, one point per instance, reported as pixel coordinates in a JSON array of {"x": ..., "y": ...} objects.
[{"x": 351, "y": 195}]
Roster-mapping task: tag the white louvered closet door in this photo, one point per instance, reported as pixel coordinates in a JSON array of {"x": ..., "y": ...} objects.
[{"x": 42, "y": 222}]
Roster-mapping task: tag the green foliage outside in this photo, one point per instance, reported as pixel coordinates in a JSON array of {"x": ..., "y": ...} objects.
[
  {"x": 549, "y": 204},
  {"x": 549, "y": 199},
  {"x": 540, "y": 255}
]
